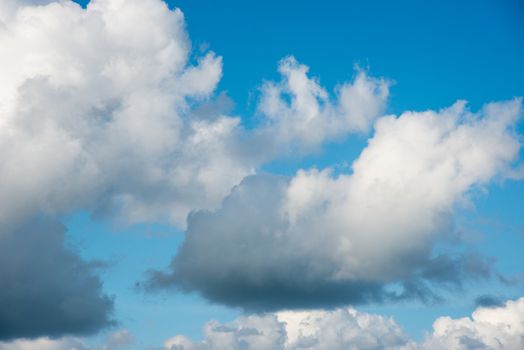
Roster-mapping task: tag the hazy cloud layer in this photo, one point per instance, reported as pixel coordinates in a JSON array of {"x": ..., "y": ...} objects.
[
  {"x": 46, "y": 288},
  {"x": 345, "y": 329},
  {"x": 121, "y": 339},
  {"x": 318, "y": 239}
]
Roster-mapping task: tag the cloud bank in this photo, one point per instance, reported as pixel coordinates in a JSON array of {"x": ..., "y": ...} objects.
[
  {"x": 492, "y": 328},
  {"x": 319, "y": 239},
  {"x": 487, "y": 328}
]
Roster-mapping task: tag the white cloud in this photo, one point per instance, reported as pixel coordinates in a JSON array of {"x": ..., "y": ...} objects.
[
  {"x": 8, "y": 8},
  {"x": 318, "y": 238},
  {"x": 487, "y": 328},
  {"x": 300, "y": 113},
  {"x": 97, "y": 105},
  {"x": 97, "y": 112},
  {"x": 333, "y": 330},
  {"x": 346, "y": 328}
]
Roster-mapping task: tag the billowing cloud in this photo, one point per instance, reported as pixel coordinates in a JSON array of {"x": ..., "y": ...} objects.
[
  {"x": 47, "y": 290},
  {"x": 343, "y": 329},
  {"x": 500, "y": 327},
  {"x": 300, "y": 114},
  {"x": 104, "y": 109},
  {"x": 99, "y": 111},
  {"x": 317, "y": 239},
  {"x": 338, "y": 329},
  {"x": 97, "y": 105}
]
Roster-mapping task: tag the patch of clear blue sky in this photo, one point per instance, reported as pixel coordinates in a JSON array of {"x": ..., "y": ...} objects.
[{"x": 436, "y": 52}]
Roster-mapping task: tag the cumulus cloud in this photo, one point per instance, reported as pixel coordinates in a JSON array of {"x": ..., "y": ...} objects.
[
  {"x": 104, "y": 109},
  {"x": 499, "y": 327},
  {"x": 317, "y": 239},
  {"x": 300, "y": 113},
  {"x": 47, "y": 290},
  {"x": 98, "y": 112},
  {"x": 338, "y": 329},
  {"x": 97, "y": 104},
  {"x": 347, "y": 328},
  {"x": 492, "y": 328}
]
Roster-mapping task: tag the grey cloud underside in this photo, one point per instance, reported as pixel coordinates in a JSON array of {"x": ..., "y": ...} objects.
[
  {"x": 236, "y": 256},
  {"x": 316, "y": 239},
  {"x": 46, "y": 288},
  {"x": 489, "y": 301}
]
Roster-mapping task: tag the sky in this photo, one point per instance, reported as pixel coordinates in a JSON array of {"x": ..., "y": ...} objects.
[{"x": 200, "y": 175}]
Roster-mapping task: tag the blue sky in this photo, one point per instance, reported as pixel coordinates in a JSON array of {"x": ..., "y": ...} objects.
[{"x": 429, "y": 54}]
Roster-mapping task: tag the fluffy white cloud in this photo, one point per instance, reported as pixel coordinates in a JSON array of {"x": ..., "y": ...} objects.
[
  {"x": 488, "y": 328},
  {"x": 97, "y": 104},
  {"x": 333, "y": 330},
  {"x": 101, "y": 110},
  {"x": 318, "y": 238},
  {"x": 96, "y": 107},
  {"x": 343, "y": 329},
  {"x": 300, "y": 113},
  {"x": 97, "y": 111}
]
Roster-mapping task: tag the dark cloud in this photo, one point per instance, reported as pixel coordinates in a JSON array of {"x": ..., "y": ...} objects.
[
  {"x": 454, "y": 269},
  {"x": 47, "y": 290},
  {"x": 246, "y": 255},
  {"x": 277, "y": 294},
  {"x": 489, "y": 301},
  {"x": 318, "y": 239}
]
